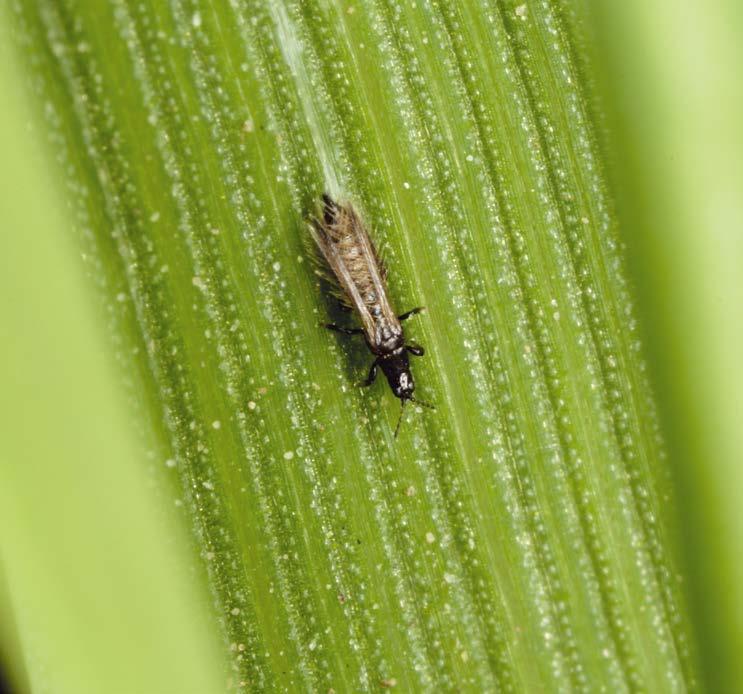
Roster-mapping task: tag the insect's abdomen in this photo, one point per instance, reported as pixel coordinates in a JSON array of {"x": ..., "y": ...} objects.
[
  {"x": 350, "y": 254},
  {"x": 357, "y": 262},
  {"x": 387, "y": 332}
]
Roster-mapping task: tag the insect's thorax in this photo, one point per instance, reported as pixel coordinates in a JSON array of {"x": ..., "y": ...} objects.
[{"x": 387, "y": 338}]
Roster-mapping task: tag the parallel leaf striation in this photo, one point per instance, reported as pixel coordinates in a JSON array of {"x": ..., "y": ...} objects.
[{"x": 510, "y": 541}]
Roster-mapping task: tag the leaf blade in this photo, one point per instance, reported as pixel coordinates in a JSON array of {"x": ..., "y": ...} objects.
[{"x": 531, "y": 348}]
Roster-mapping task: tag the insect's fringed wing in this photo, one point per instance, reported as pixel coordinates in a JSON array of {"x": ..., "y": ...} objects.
[
  {"x": 363, "y": 235},
  {"x": 326, "y": 228},
  {"x": 354, "y": 268},
  {"x": 320, "y": 231}
]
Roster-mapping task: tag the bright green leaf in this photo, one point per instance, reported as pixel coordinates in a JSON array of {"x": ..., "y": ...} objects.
[{"x": 516, "y": 538}]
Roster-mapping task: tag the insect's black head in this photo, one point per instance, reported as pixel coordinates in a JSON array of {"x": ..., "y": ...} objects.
[{"x": 397, "y": 370}]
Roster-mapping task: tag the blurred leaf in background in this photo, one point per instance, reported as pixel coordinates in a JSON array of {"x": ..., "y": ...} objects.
[
  {"x": 103, "y": 590},
  {"x": 522, "y": 537},
  {"x": 673, "y": 80}
]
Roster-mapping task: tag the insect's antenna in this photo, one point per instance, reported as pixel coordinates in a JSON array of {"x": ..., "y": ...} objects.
[
  {"x": 399, "y": 419},
  {"x": 424, "y": 403}
]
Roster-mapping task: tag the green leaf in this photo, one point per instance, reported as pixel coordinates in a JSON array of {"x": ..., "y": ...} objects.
[
  {"x": 679, "y": 104},
  {"x": 100, "y": 587},
  {"x": 514, "y": 539}
]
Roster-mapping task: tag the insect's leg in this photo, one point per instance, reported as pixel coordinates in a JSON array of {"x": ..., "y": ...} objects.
[
  {"x": 372, "y": 375},
  {"x": 345, "y": 331},
  {"x": 417, "y": 350},
  {"x": 399, "y": 419},
  {"x": 344, "y": 308},
  {"x": 411, "y": 312}
]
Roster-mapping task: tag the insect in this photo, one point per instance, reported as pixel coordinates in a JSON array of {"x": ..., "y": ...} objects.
[{"x": 359, "y": 277}]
